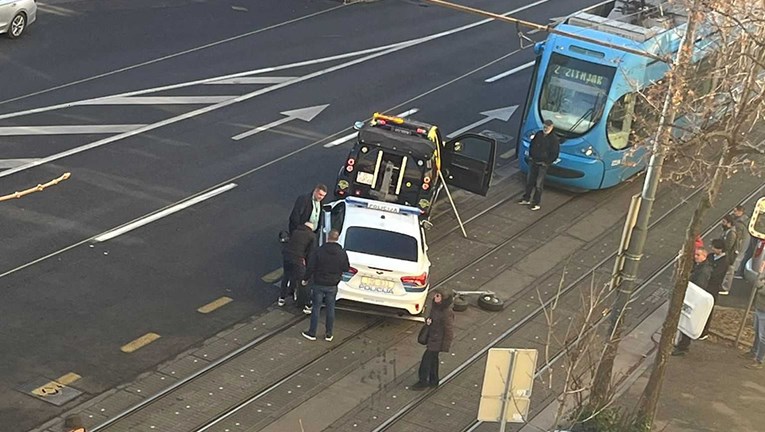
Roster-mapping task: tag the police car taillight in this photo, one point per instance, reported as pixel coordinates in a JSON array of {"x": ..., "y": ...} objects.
[
  {"x": 349, "y": 274},
  {"x": 418, "y": 281}
]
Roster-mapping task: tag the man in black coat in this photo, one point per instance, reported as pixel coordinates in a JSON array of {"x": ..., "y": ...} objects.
[
  {"x": 326, "y": 268},
  {"x": 719, "y": 262},
  {"x": 307, "y": 208},
  {"x": 295, "y": 254},
  {"x": 700, "y": 275},
  {"x": 543, "y": 151}
]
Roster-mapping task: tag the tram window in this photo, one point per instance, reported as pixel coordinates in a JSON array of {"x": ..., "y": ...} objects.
[{"x": 620, "y": 120}]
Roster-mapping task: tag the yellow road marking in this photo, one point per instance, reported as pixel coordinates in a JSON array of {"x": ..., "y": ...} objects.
[
  {"x": 273, "y": 276},
  {"x": 140, "y": 342},
  {"x": 209, "y": 307},
  {"x": 52, "y": 388},
  {"x": 68, "y": 378}
]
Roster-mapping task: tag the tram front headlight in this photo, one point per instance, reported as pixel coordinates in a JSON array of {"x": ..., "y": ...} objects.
[{"x": 588, "y": 151}]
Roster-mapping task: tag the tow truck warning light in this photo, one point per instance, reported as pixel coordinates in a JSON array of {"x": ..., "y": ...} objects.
[{"x": 386, "y": 207}]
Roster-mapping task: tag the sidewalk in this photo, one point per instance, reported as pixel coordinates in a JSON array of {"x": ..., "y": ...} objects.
[{"x": 709, "y": 389}]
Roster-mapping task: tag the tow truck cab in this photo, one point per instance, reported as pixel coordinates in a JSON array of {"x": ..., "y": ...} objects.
[{"x": 398, "y": 161}]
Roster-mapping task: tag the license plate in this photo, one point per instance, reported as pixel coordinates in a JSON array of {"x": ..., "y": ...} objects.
[
  {"x": 365, "y": 178},
  {"x": 377, "y": 285}
]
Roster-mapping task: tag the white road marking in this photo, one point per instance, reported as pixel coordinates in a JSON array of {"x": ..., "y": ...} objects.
[
  {"x": 387, "y": 48},
  {"x": 252, "y": 80},
  {"x": 349, "y": 137},
  {"x": 503, "y": 114},
  {"x": 67, "y": 130},
  {"x": 158, "y": 100},
  {"x": 510, "y": 72},
  {"x": 167, "y": 57},
  {"x": 158, "y": 215},
  {"x": 278, "y": 159},
  {"x": 305, "y": 114},
  {"x": 10, "y": 163}
]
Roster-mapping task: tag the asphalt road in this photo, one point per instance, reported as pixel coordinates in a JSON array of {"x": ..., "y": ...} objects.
[{"x": 70, "y": 301}]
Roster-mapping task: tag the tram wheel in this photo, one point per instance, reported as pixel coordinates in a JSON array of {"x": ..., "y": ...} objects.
[
  {"x": 460, "y": 304},
  {"x": 490, "y": 302}
]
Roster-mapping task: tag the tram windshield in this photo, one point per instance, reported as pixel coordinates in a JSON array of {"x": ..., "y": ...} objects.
[{"x": 574, "y": 94}]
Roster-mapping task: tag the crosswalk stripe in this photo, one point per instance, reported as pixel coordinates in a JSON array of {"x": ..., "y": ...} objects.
[
  {"x": 67, "y": 130},
  {"x": 253, "y": 80},
  {"x": 158, "y": 100}
]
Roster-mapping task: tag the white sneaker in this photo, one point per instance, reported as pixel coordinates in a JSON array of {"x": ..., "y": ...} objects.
[
  {"x": 723, "y": 292},
  {"x": 281, "y": 302},
  {"x": 309, "y": 337},
  {"x": 535, "y": 207},
  {"x": 307, "y": 310},
  {"x": 328, "y": 338},
  {"x": 524, "y": 202}
]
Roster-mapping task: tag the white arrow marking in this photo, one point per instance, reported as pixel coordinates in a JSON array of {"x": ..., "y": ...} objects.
[
  {"x": 349, "y": 137},
  {"x": 159, "y": 100},
  {"x": 253, "y": 80},
  {"x": 510, "y": 72},
  {"x": 12, "y": 163},
  {"x": 305, "y": 114},
  {"x": 503, "y": 114},
  {"x": 67, "y": 130}
]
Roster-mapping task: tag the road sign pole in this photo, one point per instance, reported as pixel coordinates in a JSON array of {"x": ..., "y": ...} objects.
[{"x": 506, "y": 394}]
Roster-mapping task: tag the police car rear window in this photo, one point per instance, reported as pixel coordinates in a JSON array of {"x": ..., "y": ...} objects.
[{"x": 377, "y": 242}]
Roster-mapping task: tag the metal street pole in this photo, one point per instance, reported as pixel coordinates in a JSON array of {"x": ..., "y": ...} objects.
[
  {"x": 602, "y": 381},
  {"x": 505, "y": 396}
]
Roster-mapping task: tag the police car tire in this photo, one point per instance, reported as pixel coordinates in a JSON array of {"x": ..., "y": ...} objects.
[
  {"x": 460, "y": 304},
  {"x": 491, "y": 303}
]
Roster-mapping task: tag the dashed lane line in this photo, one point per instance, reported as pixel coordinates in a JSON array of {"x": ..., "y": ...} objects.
[
  {"x": 253, "y": 80},
  {"x": 67, "y": 130},
  {"x": 139, "y": 343},
  {"x": 158, "y": 100},
  {"x": 216, "y": 304}
]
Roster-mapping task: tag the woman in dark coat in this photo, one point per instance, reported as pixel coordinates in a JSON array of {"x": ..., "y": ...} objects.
[{"x": 440, "y": 336}]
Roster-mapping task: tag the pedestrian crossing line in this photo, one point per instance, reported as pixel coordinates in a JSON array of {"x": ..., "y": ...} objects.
[
  {"x": 253, "y": 80},
  {"x": 159, "y": 100},
  {"x": 139, "y": 343},
  {"x": 273, "y": 276},
  {"x": 67, "y": 130},
  {"x": 216, "y": 304}
]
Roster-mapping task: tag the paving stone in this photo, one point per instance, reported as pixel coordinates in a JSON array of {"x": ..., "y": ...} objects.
[
  {"x": 116, "y": 403},
  {"x": 183, "y": 366},
  {"x": 151, "y": 384}
]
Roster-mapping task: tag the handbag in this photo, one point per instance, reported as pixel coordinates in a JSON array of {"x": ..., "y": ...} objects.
[{"x": 422, "y": 338}]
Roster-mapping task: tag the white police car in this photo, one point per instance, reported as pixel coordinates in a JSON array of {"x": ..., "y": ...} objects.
[{"x": 386, "y": 249}]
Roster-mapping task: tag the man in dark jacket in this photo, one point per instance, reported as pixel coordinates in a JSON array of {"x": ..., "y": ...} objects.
[
  {"x": 307, "y": 208},
  {"x": 326, "y": 267},
  {"x": 700, "y": 277},
  {"x": 719, "y": 263},
  {"x": 757, "y": 353},
  {"x": 440, "y": 336},
  {"x": 543, "y": 151},
  {"x": 295, "y": 254}
]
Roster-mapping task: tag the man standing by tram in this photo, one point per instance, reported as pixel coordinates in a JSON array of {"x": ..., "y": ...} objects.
[{"x": 543, "y": 152}]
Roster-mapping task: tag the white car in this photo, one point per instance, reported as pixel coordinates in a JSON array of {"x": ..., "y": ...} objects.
[
  {"x": 386, "y": 250},
  {"x": 16, "y": 16}
]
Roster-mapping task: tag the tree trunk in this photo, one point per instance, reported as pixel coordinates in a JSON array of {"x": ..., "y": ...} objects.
[{"x": 601, "y": 386}]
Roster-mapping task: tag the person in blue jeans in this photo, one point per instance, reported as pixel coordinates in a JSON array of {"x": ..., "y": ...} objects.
[
  {"x": 326, "y": 267},
  {"x": 757, "y": 353}
]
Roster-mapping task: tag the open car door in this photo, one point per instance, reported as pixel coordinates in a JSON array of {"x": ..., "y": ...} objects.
[{"x": 468, "y": 162}]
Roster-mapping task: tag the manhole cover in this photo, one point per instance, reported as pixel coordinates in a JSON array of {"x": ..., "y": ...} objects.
[{"x": 50, "y": 391}]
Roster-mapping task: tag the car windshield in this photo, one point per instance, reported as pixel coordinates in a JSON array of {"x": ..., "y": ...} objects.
[
  {"x": 382, "y": 243},
  {"x": 574, "y": 93}
]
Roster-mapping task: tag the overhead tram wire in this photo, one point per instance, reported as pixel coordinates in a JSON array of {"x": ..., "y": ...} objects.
[{"x": 548, "y": 29}]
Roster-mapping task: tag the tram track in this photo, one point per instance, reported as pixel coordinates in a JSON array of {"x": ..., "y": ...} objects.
[
  {"x": 291, "y": 323},
  {"x": 401, "y": 414}
]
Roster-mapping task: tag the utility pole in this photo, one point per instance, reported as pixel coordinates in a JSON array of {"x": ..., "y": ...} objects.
[{"x": 675, "y": 92}]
